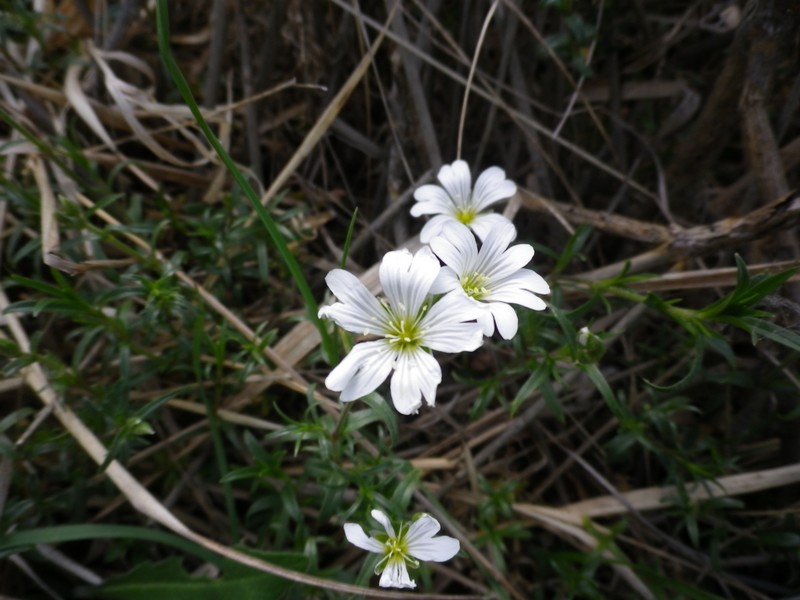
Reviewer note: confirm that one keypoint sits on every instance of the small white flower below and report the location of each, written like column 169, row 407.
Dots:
column 414, row 542
column 491, row 277
column 457, row 201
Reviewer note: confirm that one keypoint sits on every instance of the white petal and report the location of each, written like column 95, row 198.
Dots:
column 416, row 375
column 395, row 574
column 455, row 337
column 431, row 200
column 530, row 280
column 446, row 281
column 423, row 546
column 505, row 318
column 514, row 259
column 359, row 310
column 455, row 307
column 498, row 238
column 446, row 327
column 423, row 528
column 362, row 370
column 492, row 186
column 432, row 376
column 356, row 536
column 518, row 296
column 457, row 181
column 407, row 279
column 437, row 549
column 456, row 247
column 381, row 518
column 434, row 227
column 493, row 248
column 483, row 224
column 393, row 273
column 353, row 318
column 486, row 322
column 506, row 264
column 525, row 279
column 421, row 275
column 348, row 288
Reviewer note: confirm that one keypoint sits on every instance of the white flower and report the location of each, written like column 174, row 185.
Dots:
column 491, row 277
column 408, row 324
column 415, row 542
column 456, row 200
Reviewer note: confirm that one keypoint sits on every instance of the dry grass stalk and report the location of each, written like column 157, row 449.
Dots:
column 656, row 498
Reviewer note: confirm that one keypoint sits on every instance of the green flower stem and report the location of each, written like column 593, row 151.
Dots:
column 626, row 294
column 681, row 315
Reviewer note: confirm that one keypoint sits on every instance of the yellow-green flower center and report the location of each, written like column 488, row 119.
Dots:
column 395, row 549
column 404, row 332
column 465, row 215
column 474, row 285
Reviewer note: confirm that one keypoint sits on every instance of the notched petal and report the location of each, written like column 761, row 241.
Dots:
column 422, row 544
column 416, row 375
column 445, row 282
column 434, row 227
column 356, row 536
column 492, row 186
column 396, row 575
column 422, row 528
column 505, row 318
column 482, row 224
column 361, row 371
column 431, row 200
column 381, row 518
column 438, row 549
column 457, row 181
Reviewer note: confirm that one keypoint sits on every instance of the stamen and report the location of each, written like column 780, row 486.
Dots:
column 474, row 285
column 404, row 333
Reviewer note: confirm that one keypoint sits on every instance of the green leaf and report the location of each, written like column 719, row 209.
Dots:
column 538, row 380
column 168, row 579
column 20, row 540
column 14, row 417
column 570, row 335
column 379, row 410
column 697, row 361
column 776, row 333
column 748, row 292
column 572, row 248
column 602, row 386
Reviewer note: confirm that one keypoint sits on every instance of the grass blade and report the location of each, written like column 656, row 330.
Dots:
column 162, row 16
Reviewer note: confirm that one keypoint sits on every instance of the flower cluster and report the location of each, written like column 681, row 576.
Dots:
column 444, row 298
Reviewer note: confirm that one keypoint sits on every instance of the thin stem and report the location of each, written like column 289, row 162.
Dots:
column 472, row 74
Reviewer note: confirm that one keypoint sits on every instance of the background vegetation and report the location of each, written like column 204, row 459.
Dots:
column 164, row 429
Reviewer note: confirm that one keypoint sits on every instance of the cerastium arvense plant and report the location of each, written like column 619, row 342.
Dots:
column 207, row 393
